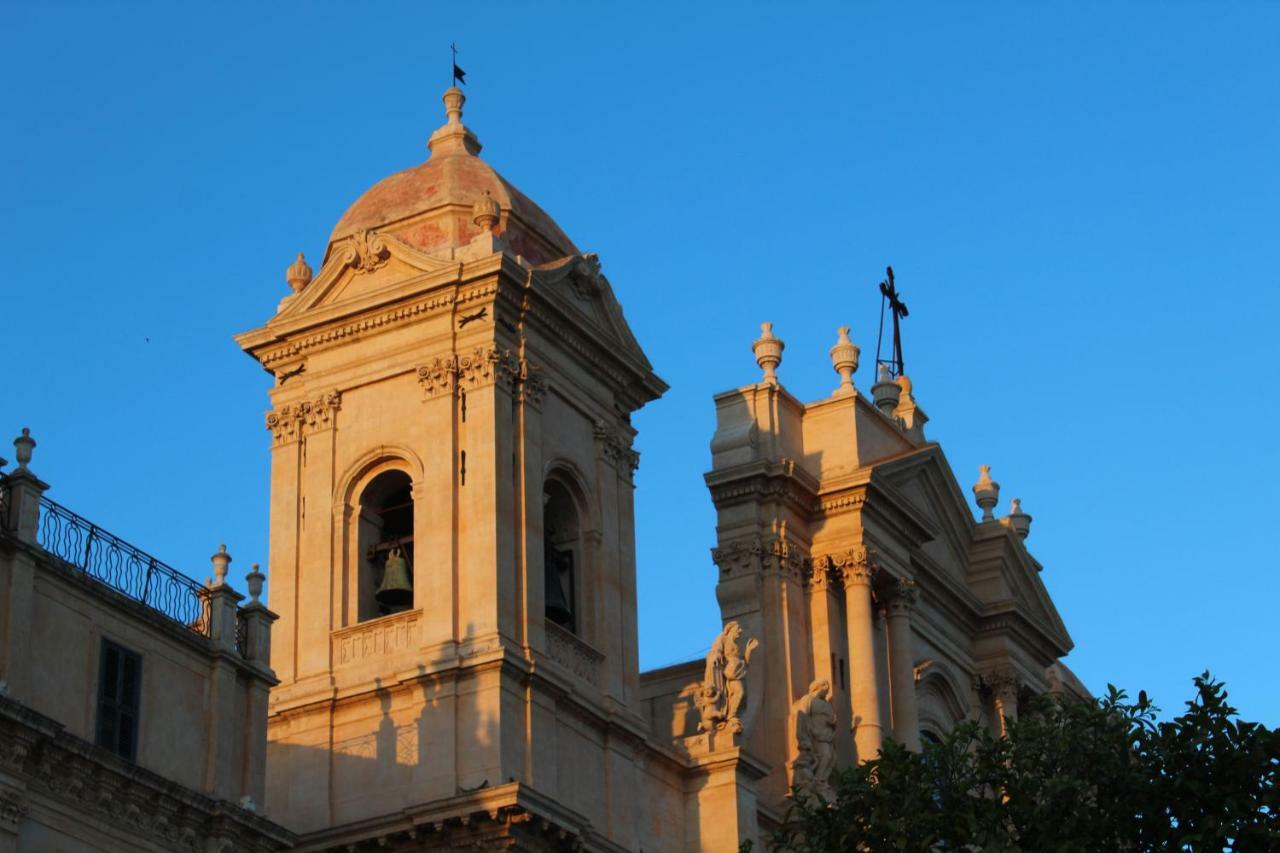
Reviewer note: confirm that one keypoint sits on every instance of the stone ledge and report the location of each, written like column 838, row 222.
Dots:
column 38, row 753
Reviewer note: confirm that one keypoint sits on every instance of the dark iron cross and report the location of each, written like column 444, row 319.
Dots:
column 889, row 296
column 459, row 76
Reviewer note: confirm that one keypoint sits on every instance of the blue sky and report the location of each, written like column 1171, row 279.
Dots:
column 1080, row 201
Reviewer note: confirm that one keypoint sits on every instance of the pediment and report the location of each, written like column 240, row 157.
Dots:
column 1021, row 577
column 359, row 266
column 925, row 480
column 986, row 557
column 576, row 285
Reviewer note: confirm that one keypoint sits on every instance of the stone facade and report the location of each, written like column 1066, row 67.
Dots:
column 176, row 760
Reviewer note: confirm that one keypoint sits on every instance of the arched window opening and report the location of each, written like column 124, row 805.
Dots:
column 562, row 541
column 385, row 545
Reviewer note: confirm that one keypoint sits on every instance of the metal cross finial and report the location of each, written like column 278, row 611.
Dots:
column 889, row 296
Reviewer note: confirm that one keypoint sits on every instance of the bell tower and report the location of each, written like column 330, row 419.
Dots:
column 452, row 531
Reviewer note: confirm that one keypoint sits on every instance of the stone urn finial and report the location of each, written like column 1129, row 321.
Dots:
column 1019, row 521
column 220, row 562
column 844, row 358
column 986, row 492
column 886, row 392
column 453, row 101
column 768, row 350
column 485, row 212
column 255, row 579
column 24, row 444
column 298, row 274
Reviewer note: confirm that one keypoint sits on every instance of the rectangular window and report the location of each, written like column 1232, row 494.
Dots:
column 119, row 689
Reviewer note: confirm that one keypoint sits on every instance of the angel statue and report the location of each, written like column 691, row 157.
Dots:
column 724, row 686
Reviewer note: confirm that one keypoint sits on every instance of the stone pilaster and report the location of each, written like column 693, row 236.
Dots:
column 902, row 597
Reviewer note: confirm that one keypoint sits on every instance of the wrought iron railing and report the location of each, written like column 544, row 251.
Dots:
column 242, row 635
column 121, row 566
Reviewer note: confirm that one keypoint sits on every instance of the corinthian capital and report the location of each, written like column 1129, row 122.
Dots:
column 902, row 595
column 855, row 566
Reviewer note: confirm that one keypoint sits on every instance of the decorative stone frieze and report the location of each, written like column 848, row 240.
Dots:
column 439, row 376
column 789, row 559
column 480, row 367
column 377, row 639
column 843, row 503
column 290, row 422
column 435, row 304
column 738, row 557
column 487, row 365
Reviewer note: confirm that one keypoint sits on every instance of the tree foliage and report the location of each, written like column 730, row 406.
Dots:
column 1071, row 775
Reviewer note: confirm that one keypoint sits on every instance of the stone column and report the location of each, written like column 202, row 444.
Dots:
column 1004, row 689
column 902, row 678
column 867, row 730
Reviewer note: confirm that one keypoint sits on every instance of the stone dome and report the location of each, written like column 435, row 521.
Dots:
column 431, row 206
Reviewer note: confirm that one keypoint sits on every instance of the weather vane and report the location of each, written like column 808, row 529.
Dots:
column 889, row 296
column 459, row 76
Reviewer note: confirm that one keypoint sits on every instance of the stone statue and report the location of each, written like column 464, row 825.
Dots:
column 815, row 721
column 724, row 683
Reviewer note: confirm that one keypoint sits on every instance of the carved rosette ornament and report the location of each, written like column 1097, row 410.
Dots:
column 486, row 366
column 290, row 422
column 481, row 367
column 439, row 376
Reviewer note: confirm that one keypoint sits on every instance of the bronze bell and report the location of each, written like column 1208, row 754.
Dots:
column 557, row 603
column 395, row 589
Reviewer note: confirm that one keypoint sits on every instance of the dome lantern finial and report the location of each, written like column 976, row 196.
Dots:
column 453, row 137
column 453, row 101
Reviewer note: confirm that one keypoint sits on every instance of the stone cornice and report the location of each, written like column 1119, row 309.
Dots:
column 762, row 481
column 104, row 787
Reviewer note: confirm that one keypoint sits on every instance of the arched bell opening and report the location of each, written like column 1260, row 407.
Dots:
column 385, row 545
column 562, row 556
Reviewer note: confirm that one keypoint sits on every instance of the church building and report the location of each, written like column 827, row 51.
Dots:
column 453, row 554
column 450, row 658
